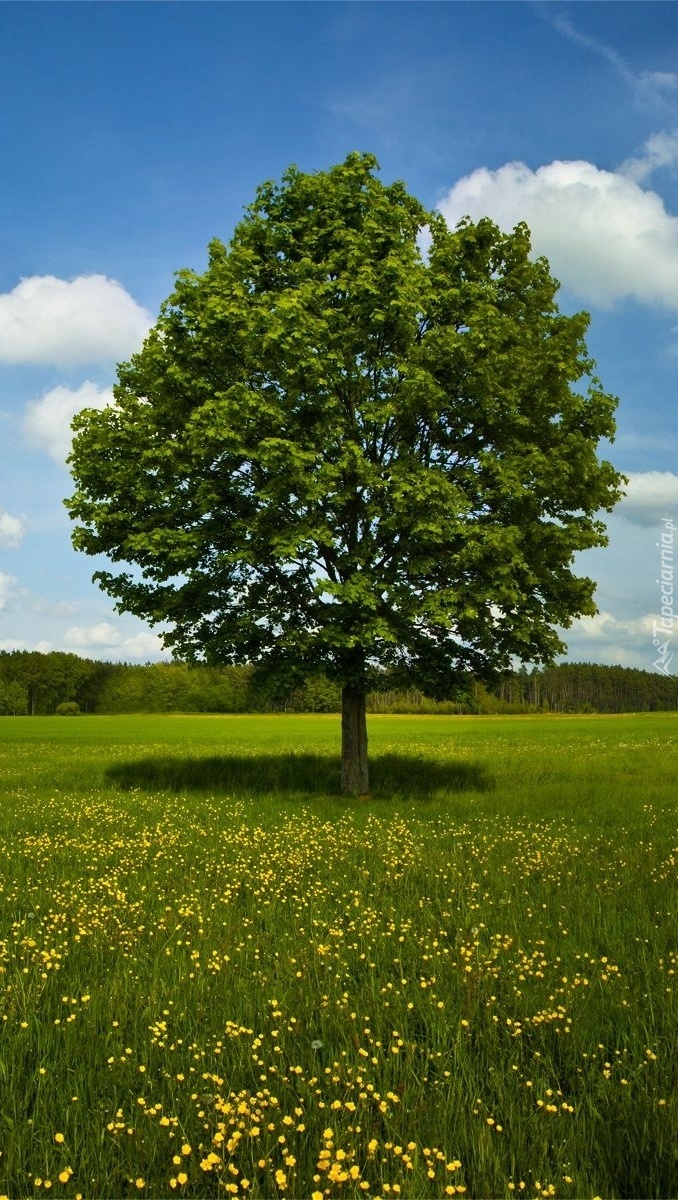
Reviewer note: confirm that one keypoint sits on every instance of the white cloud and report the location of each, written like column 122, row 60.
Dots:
column 86, row 636
column 104, row 640
column 7, row 583
column 650, row 497
column 19, row 644
column 660, row 150
column 605, row 237
column 609, row 639
column 84, row 320
column 665, row 81
column 608, row 628
column 11, row 530
column 48, row 420
column 144, row 646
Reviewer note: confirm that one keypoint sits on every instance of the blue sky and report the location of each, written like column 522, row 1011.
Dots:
column 133, row 133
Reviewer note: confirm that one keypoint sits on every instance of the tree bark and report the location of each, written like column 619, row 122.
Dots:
column 354, row 771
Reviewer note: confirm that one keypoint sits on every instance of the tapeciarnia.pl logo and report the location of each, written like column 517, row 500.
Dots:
column 662, row 630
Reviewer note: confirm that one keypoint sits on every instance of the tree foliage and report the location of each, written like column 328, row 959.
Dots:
column 337, row 453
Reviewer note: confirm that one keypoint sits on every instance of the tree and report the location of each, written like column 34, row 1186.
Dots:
column 338, row 452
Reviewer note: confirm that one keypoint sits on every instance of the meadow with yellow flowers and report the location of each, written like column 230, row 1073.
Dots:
column 218, row 977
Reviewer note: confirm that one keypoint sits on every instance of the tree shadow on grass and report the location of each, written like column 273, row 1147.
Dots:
column 391, row 775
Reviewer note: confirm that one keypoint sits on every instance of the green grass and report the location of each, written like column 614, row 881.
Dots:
column 219, row 977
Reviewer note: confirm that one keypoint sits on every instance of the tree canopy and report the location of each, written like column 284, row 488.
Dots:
column 337, row 451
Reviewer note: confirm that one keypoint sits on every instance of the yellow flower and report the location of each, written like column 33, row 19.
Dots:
column 59, row 1138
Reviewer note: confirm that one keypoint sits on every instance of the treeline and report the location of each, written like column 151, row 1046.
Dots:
column 34, row 684
column 589, row 687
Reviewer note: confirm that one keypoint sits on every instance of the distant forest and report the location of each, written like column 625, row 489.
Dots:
column 35, row 684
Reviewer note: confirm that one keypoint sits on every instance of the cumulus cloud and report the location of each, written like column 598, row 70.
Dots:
column 7, row 583
column 614, row 640
column 84, row 320
column 11, row 530
column 104, row 639
column 608, row 628
column 86, row 636
column 650, row 497
column 48, row 420
column 20, row 644
column 606, row 237
column 143, row 646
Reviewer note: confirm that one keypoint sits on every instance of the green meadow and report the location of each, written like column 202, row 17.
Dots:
column 219, row 977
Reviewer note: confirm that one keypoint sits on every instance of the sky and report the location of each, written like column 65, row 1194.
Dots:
column 133, row 133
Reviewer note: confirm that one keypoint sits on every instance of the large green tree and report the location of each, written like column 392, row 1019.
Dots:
column 337, row 451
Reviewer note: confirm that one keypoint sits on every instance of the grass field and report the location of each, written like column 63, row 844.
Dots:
column 218, row 977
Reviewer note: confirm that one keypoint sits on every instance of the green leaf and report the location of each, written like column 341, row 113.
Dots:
column 332, row 454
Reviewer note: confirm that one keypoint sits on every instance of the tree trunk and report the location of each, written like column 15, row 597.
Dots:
column 354, row 774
